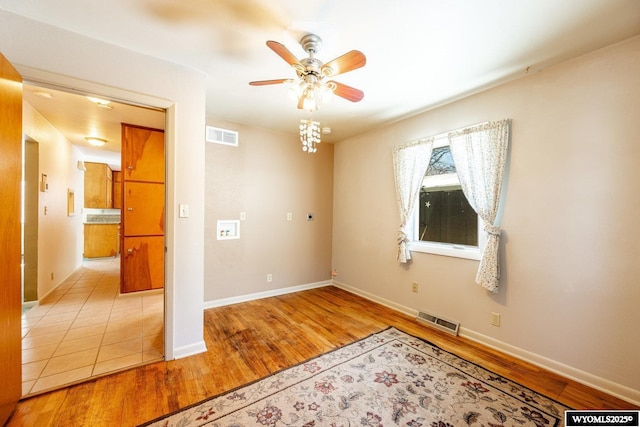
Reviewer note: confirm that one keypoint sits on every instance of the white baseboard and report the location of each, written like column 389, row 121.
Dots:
column 56, row 286
column 266, row 294
column 189, row 350
column 599, row 383
column 379, row 300
column 618, row 390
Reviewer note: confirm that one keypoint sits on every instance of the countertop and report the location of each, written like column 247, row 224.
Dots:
column 102, row 219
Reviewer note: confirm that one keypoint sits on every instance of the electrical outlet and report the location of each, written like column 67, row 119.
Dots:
column 414, row 287
column 289, row 216
column 495, row 319
column 269, row 278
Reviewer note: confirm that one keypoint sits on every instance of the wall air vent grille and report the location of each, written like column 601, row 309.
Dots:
column 438, row 322
column 221, row 136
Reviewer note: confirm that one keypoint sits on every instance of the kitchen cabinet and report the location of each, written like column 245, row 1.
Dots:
column 143, row 209
column 101, row 240
column 117, row 189
column 98, row 186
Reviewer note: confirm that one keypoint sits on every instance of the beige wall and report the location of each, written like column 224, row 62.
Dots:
column 266, row 176
column 60, row 237
column 570, row 270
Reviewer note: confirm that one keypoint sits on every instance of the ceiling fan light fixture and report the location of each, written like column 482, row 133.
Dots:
column 311, row 90
column 326, row 91
column 95, row 141
column 309, row 99
column 294, row 93
column 297, row 90
column 314, row 95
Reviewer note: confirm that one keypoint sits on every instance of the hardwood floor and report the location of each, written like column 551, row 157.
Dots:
column 248, row 341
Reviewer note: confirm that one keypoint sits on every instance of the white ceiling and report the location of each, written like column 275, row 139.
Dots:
column 76, row 117
column 420, row 53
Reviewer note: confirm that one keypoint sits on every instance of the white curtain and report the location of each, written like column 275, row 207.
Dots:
column 410, row 163
column 480, row 154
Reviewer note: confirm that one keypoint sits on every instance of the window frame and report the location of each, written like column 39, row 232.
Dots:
column 438, row 248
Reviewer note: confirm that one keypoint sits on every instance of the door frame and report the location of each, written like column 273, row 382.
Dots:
column 73, row 85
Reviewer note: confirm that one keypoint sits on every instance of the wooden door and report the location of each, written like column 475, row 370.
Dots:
column 143, row 205
column 10, row 292
column 144, row 209
column 142, row 154
column 143, row 263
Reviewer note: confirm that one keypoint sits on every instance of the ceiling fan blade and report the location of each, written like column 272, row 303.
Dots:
column 283, row 52
column 349, row 61
column 347, row 92
column 269, row 82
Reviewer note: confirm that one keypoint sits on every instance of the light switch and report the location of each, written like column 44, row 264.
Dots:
column 184, row 211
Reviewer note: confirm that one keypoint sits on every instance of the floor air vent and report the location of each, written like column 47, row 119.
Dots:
column 438, row 322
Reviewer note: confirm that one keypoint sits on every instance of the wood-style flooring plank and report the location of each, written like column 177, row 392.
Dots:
column 248, row 341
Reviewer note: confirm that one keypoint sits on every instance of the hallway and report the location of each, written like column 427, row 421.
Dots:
column 84, row 328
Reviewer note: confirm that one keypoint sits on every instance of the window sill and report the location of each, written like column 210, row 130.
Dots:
column 457, row 251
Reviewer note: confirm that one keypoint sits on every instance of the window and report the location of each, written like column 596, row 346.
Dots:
column 444, row 223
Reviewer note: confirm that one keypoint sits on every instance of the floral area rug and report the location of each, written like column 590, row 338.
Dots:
column 387, row 379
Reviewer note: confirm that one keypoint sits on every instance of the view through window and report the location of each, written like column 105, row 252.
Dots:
column 444, row 214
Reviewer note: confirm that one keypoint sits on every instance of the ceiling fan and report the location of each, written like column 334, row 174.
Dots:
column 311, row 88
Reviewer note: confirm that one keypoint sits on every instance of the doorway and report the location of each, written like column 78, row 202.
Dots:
column 81, row 326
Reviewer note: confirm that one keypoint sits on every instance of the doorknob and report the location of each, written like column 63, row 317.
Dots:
column 130, row 209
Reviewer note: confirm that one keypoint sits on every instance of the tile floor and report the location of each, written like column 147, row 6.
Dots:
column 84, row 328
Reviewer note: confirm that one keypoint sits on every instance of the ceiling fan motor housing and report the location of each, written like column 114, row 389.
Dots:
column 311, row 43
column 311, row 65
